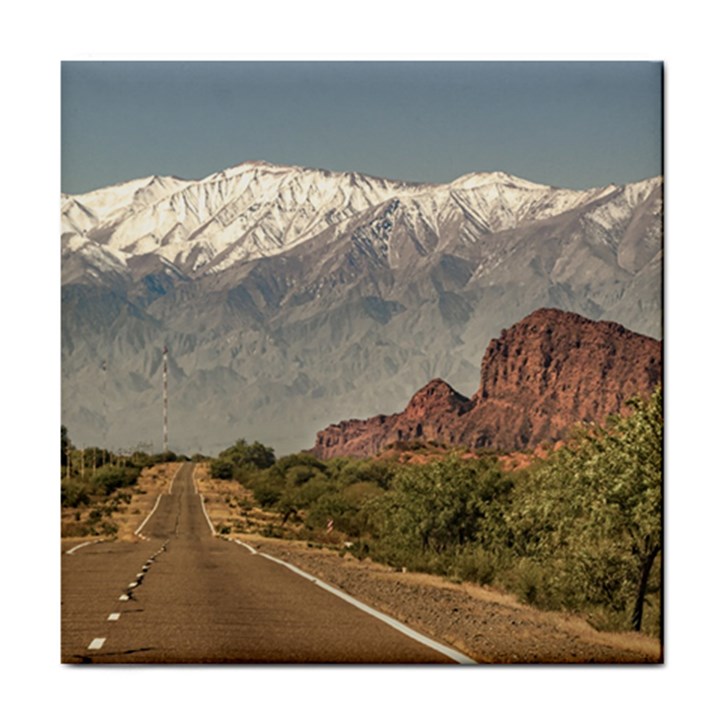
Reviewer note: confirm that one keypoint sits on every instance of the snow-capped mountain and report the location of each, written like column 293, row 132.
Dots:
column 257, row 210
column 290, row 297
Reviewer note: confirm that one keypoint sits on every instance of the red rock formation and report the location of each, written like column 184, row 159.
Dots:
column 431, row 410
column 544, row 374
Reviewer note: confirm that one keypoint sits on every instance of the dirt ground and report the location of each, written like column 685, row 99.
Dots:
column 152, row 482
column 487, row 625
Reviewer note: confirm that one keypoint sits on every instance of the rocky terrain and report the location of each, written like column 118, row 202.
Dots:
column 546, row 373
column 291, row 297
column 487, row 625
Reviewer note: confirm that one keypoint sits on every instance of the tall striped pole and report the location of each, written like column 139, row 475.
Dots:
column 165, row 401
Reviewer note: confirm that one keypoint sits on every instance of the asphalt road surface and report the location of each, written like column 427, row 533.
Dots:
column 183, row 595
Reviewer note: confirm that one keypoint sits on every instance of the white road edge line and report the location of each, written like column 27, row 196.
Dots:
column 81, row 545
column 172, row 482
column 202, row 502
column 247, row 547
column 396, row 624
column 157, row 502
column 142, row 524
column 207, row 517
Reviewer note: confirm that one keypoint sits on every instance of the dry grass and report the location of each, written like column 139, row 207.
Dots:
column 489, row 625
column 127, row 517
column 231, row 506
column 152, row 482
column 515, row 629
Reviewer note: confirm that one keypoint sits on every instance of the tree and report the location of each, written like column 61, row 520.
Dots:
column 242, row 453
column 221, row 469
column 64, row 446
column 443, row 505
column 108, row 478
column 594, row 508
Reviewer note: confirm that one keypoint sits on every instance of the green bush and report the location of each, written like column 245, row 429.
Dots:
column 473, row 564
column 243, row 453
column 107, row 478
column 299, row 459
column 377, row 472
column 108, row 528
column 267, row 490
column 221, row 469
column 160, row 458
column 592, row 514
column 442, row 505
column 73, row 494
column 580, row 530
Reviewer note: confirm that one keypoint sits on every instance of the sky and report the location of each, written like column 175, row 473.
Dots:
column 568, row 124
column 678, row 34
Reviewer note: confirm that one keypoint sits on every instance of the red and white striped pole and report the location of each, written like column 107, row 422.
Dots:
column 165, row 401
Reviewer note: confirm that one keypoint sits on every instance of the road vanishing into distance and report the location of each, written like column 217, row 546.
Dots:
column 185, row 595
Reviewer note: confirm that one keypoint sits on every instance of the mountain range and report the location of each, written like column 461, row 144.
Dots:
column 289, row 297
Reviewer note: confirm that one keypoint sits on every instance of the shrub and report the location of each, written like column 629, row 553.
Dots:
column 367, row 471
column 473, row 564
column 164, row 457
column 267, row 490
column 533, row 582
column 109, row 478
column 221, row 469
column 242, row 453
column 73, row 494
column 443, row 505
column 301, row 459
column 591, row 514
column 108, row 528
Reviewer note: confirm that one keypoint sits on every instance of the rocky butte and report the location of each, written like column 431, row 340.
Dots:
column 546, row 373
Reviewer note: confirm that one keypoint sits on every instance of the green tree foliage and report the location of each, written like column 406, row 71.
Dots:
column 376, row 472
column 241, row 457
column 222, row 469
column 294, row 483
column 441, row 507
column 580, row 530
column 164, row 457
column 593, row 512
column 64, row 446
column 73, row 494
column 109, row 478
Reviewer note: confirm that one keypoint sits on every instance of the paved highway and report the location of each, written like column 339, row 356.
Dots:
column 183, row 595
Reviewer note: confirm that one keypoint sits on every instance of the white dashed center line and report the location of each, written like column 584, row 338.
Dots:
column 114, row 616
column 96, row 644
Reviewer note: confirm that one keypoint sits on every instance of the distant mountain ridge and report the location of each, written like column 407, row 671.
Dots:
column 545, row 374
column 289, row 297
column 257, row 210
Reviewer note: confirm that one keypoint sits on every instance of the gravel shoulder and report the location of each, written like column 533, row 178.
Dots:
column 127, row 517
column 487, row 625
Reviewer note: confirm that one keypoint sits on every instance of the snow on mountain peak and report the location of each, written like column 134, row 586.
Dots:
column 258, row 209
column 498, row 177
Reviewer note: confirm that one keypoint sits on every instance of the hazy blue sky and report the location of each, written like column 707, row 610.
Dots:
column 568, row 124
